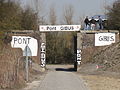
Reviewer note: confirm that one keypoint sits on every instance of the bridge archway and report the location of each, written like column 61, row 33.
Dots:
column 78, row 41
column 68, row 28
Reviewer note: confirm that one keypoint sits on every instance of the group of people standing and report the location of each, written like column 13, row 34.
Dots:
column 92, row 24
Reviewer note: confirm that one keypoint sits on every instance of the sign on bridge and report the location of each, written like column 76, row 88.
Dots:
column 23, row 41
column 102, row 39
column 47, row 28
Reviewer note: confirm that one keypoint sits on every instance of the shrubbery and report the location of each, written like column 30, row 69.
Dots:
column 114, row 16
column 13, row 17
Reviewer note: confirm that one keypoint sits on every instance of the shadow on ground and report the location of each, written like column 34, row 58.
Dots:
column 66, row 70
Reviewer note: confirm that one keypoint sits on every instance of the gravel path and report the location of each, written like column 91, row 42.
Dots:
column 61, row 79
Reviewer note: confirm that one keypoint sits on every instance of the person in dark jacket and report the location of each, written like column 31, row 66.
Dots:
column 100, row 22
column 86, row 21
column 93, row 23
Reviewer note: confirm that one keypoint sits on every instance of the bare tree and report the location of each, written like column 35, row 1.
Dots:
column 68, row 14
column 39, row 8
column 38, row 5
column 114, row 16
column 52, row 16
column 81, row 20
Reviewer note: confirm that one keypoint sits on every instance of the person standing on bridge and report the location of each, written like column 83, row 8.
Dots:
column 100, row 22
column 86, row 21
column 93, row 23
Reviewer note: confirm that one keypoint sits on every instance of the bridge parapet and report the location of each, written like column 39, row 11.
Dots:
column 99, row 31
column 82, row 31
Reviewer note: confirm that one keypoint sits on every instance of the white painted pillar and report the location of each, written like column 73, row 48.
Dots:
column 43, row 51
column 79, row 48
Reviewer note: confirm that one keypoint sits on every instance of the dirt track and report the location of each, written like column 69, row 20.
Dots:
column 59, row 77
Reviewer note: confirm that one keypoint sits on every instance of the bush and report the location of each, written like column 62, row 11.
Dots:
column 114, row 16
column 13, row 17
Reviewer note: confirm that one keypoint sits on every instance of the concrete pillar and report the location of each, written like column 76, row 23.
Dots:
column 79, row 49
column 43, row 51
column 79, row 40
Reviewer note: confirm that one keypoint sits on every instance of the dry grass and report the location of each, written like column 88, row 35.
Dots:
column 89, row 52
column 9, row 67
column 96, row 82
column 107, row 77
column 106, row 56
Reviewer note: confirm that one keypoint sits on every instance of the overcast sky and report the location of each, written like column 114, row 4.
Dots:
column 81, row 7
